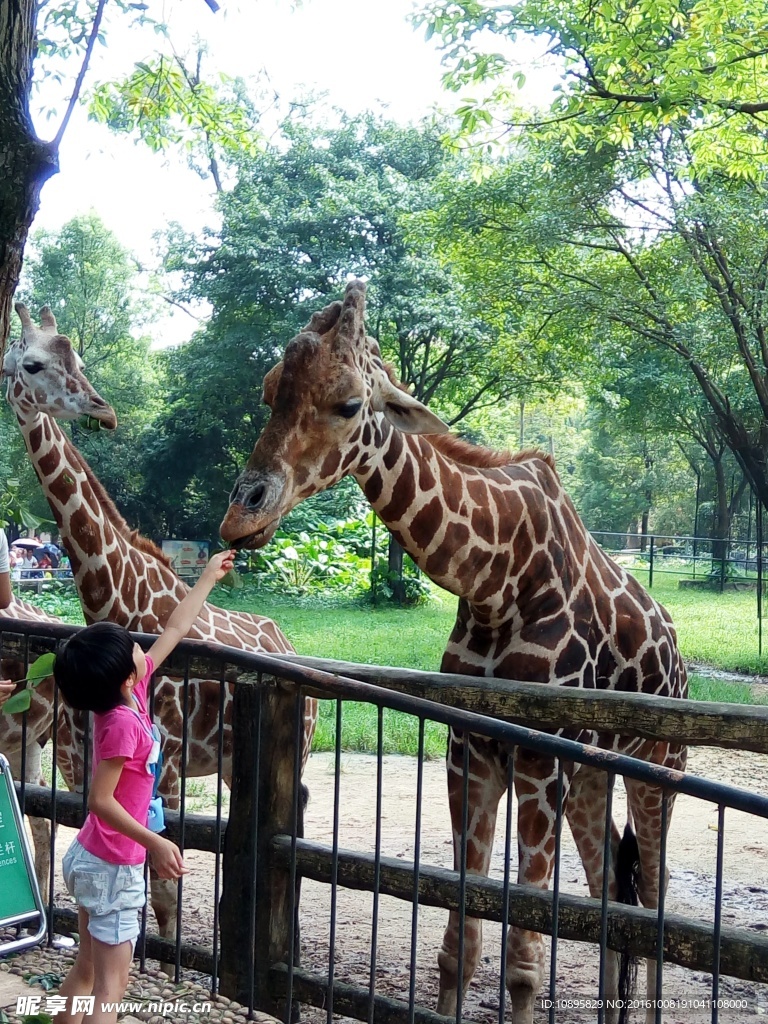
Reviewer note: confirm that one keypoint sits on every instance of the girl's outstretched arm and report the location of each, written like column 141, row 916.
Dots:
column 180, row 622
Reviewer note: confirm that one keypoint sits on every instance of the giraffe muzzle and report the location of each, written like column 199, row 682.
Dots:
column 233, row 526
column 254, row 512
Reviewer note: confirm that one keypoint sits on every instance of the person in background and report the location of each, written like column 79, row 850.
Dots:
column 15, row 558
column 6, row 594
column 29, row 563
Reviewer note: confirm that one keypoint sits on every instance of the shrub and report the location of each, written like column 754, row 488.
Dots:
column 330, row 560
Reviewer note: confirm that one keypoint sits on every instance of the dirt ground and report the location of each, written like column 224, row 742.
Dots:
column 691, row 859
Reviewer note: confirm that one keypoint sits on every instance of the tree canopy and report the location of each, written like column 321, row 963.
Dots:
column 627, row 69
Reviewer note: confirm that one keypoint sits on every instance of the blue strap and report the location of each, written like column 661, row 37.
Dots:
column 157, row 771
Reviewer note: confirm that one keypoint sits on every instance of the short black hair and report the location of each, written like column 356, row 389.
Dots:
column 92, row 665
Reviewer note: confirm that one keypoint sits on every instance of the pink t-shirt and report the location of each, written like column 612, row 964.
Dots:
column 122, row 732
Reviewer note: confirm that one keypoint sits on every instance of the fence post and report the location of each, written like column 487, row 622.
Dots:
column 255, row 930
column 722, row 567
column 650, row 567
column 759, row 539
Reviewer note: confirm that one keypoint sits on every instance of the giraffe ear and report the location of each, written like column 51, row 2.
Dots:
column 407, row 413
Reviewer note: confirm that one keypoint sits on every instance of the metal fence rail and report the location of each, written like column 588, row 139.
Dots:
column 261, row 854
column 717, row 563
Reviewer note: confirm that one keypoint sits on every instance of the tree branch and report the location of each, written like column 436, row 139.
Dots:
column 81, row 74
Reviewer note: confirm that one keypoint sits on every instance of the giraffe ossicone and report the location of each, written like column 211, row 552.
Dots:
column 121, row 576
column 538, row 601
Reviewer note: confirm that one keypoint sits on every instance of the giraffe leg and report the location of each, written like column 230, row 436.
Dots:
column 645, row 803
column 535, row 786
column 164, row 892
column 164, row 896
column 39, row 827
column 487, row 783
column 585, row 812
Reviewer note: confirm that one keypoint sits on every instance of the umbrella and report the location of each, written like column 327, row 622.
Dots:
column 26, row 542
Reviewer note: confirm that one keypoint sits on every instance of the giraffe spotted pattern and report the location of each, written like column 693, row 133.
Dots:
column 538, row 601
column 121, row 576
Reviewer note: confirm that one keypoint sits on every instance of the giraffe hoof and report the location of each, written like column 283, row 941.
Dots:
column 522, row 999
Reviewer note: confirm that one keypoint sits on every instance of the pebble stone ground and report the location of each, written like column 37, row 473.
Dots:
column 150, row 987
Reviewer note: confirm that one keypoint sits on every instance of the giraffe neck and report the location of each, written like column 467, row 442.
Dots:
column 472, row 530
column 115, row 580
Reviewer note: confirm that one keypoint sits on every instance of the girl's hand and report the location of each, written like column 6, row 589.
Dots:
column 167, row 860
column 7, row 686
column 220, row 564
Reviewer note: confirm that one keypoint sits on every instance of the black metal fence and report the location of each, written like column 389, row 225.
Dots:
column 263, row 948
column 719, row 564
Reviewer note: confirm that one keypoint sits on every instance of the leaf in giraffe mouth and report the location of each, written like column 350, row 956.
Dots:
column 90, row 423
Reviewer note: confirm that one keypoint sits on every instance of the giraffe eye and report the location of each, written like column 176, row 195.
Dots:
column 349, row 409
column 32, row 367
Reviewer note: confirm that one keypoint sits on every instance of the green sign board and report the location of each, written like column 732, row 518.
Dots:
column 19, row 893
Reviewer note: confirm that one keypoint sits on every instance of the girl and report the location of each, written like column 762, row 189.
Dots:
column 101, row 669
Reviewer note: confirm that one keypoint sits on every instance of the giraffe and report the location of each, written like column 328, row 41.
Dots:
column 39, row 719
column 120, row 575
column 538, row 601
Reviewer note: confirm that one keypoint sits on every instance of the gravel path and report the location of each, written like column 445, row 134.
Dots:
column 692, row 854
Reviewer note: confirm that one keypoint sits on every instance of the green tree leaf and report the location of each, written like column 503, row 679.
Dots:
column 41, row 668
column 18, row 703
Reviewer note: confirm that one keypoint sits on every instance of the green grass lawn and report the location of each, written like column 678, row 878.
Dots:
column 714, row 629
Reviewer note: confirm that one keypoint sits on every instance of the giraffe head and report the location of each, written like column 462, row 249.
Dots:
column 330, row 397
column 45, row 374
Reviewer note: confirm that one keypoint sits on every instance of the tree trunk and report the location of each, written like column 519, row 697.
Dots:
column 644, row 531
column 26, row 162
column 395, row 567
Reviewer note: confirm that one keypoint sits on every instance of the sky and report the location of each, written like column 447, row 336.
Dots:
column 364, row 55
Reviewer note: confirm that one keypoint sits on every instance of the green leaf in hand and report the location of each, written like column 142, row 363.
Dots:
column 18, row 703
column 232, row 579
column 41, row 668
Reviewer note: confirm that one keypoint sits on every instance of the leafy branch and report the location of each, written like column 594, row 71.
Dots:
column 39, row 670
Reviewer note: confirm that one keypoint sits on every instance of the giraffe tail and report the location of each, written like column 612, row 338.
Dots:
column 627, row 874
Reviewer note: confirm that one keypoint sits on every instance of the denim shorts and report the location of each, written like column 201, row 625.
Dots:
column 111, row 894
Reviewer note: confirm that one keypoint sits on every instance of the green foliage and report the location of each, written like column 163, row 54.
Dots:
column 59, row 599
column 48, row 981
column 327, row 561
column 166, row 102
column 319, row 204
column 416, row 586
column 39, row 670
column 90, row 283
column 13, row 508
column 627, row 71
